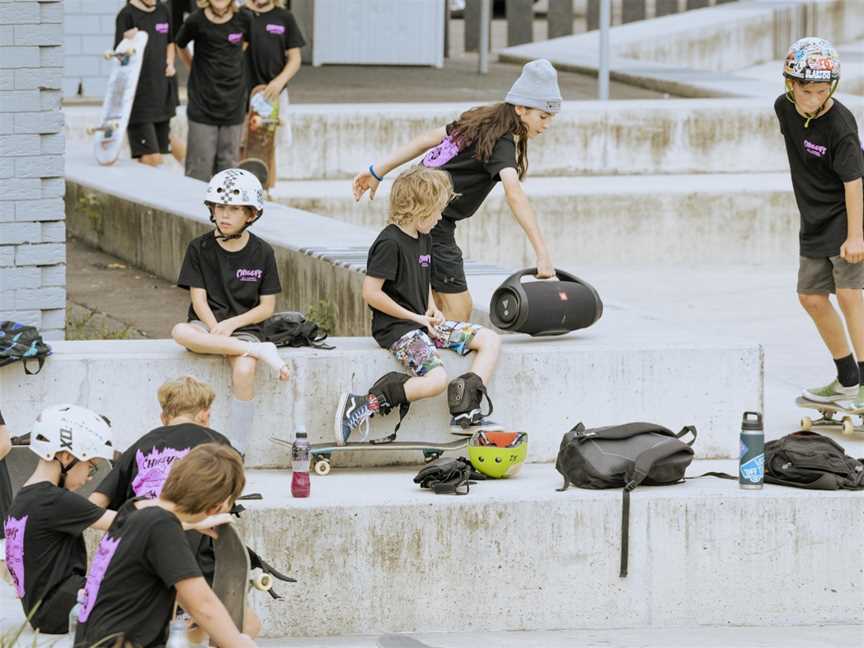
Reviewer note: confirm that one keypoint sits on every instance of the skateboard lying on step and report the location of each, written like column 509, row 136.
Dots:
column 119, row 97
column 258, row 151
column 322, row 452
column 839, row 416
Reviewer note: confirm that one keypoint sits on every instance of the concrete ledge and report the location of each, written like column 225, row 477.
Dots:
column 608, row 219
column 626, row 367
column 374, row 554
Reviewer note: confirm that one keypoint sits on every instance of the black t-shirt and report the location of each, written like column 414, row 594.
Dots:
column 5, row 488
column 178, row 10
column 821, row 158
column 272, row 34
column 234, row 281
column 217, row 82
column 130, row 585
column 156, row 96
column 405, row 264
column 473, row 179
column 45, row 547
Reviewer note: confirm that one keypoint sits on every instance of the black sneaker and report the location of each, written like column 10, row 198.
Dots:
column 351, row 412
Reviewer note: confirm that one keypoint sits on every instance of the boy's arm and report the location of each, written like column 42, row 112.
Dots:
column 99, row 499
column 364, row 180
column 5, row 441
column 374, row 295
column 104, row 522
column 207, row 610
column 185, row 56
column 202, row 308
column 170, row 53
column 517, row 199
column 853, row 248
column 258, row 314
column 277, row 85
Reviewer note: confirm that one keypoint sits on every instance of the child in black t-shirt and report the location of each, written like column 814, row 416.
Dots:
column 156, row 95
column 143, row 563
column 827, row 165
column 45, row 552
column 406, row 319
column 5, row 482
column 483, row 146
column 217, row 87
column 233, row 281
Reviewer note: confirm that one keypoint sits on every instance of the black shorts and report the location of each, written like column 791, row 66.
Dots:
column 448, row 269
column 149, row 138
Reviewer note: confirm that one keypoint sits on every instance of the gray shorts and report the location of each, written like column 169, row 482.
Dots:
column 822, row 275
column 246, row 336
column 211, row 149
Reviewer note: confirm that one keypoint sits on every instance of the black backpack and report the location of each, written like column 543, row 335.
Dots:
column 22, row 342
column 448, row 476
column 810, row 460
column 624, row 456
column 292, row 329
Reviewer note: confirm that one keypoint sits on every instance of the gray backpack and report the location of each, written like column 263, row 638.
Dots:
column 624, row 456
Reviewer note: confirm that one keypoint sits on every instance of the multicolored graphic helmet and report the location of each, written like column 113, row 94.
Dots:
column 235, row 187
column 79, row 431
column 812, row 60
column 498, row 454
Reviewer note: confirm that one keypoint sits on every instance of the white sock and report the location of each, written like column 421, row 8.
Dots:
column 240, row 423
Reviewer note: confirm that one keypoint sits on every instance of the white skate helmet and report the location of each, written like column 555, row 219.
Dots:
column 235, row 187
column 77, row 430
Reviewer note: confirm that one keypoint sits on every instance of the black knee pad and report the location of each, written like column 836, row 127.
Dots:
column 465, row 396
column 389, row 389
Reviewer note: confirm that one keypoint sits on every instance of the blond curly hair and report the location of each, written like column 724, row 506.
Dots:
column 419, row 193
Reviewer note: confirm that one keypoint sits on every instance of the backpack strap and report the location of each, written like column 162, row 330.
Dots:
column 40, row 359
column 618, row 432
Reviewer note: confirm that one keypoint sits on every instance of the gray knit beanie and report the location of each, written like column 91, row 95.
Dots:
column 536, row 87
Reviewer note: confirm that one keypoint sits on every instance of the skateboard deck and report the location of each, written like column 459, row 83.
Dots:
column 828, row 423
column 322, row 452
column 231, row 578
column 122, row 83
column 258, row 152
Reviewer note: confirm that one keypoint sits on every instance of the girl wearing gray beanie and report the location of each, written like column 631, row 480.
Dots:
column 483, row 146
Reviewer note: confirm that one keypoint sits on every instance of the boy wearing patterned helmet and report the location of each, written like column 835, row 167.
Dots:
column 45, row 552
column 233, row 281
column 827, row 165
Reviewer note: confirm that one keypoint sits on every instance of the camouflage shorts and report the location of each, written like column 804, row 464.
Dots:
column 418, row 350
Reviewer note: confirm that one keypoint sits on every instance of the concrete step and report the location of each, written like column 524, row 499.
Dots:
column 665, row 219
column 587, row 138
column 374, row 553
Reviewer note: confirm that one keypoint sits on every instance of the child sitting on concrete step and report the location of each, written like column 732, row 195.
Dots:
column 233, row 281
column 406, row 320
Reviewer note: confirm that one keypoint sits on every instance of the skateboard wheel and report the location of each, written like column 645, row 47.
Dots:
column 263, row 583
column 806, row 423
column 322, row 467
column 848, row 426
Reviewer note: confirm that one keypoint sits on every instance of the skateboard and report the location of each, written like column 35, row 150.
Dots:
column 828, row 422
column 258, row 152
column 233, row 577
column 119, row 97
column 322, row 452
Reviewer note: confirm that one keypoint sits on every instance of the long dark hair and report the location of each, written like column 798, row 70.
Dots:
column 485, row 125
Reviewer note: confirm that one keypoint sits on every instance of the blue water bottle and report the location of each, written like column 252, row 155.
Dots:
column 751, row 468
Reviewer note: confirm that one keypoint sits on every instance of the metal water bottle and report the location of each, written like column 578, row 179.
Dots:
column 751, row 467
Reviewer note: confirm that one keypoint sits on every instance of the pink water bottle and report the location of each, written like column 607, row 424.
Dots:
column 300, row 485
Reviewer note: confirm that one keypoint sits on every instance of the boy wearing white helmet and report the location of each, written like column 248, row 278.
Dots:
column 827, row 165
column 45, row 552
column 233, row 280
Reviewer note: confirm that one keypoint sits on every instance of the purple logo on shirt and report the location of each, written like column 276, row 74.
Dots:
column 153, row 470
column 815, row 149
column 249, row 275
column 162, row 28
column 275, row 29
column 14, row 529
column 235, row 38
column 96, row 573
column 424, row 260
column 441, row 154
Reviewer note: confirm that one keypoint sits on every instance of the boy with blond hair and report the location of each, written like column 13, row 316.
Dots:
column 143, row 564
column 406, row 320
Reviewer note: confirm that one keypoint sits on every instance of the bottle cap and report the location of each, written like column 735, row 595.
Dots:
column 301, row 434
column 751, row 421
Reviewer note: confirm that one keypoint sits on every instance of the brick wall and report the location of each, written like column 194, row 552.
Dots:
column 32, row 225
column 88, row 31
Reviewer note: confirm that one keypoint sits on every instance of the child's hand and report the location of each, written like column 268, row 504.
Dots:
column 436, row 316
column 852, row 250
column 225, row 327
column 170, row 70
column 271, row 92
column 362, row 183
column 129, row 34
column 208, row 524
column 429, row 323
column 545, row 269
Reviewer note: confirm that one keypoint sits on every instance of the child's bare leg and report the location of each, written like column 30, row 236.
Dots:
column 432, row 384
column 456, row 307
column 198, row 341
column 851, row 302
column 487, row 344
column 827, row 321
column 151, row 159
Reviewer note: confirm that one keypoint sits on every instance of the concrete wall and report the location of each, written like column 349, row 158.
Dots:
column 32, row 228
column 88, row 28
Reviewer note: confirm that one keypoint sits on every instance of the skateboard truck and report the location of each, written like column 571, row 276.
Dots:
column 123, row 57
column 107, row 128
